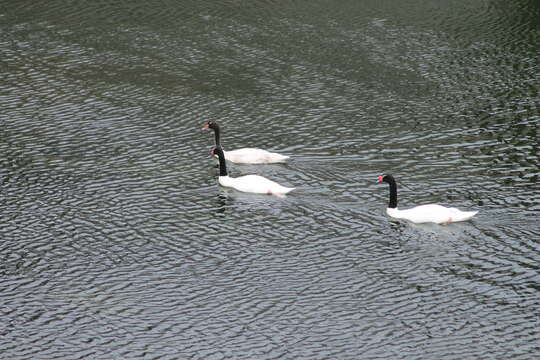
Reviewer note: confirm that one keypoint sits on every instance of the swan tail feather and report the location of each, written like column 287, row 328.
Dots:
column 464, row 215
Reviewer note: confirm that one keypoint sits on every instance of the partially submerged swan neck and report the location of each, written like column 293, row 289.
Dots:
column 218, row 151
column 392, row 204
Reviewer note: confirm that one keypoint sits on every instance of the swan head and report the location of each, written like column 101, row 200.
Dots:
column 211, row 125
column 216, row 151
column 387, row 178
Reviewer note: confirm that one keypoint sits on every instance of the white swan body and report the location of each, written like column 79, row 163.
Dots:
column 245, row 155
column 254, row 184
column 253, row 156
column 248, row 183
column 431, row 213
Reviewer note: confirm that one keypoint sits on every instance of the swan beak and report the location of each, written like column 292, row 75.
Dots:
column 205, row 127
column 379, row 179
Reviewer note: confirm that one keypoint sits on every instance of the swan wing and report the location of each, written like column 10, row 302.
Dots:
column 253, row 156
column 254, row 184
column 431, row 213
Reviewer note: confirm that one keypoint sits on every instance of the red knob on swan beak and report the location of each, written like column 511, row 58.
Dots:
column 205, row 127
column 379, row 180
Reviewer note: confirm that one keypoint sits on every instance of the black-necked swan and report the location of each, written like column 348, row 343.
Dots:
column 248, row 183
column 430, row 213
column 245, row 155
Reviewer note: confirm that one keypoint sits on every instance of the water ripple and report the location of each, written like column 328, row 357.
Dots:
column 118, row 242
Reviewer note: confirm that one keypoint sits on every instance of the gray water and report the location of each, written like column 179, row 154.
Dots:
column 116, row 241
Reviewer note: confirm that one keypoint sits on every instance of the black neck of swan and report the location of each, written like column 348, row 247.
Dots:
column 392, row 204
column 222, row 164
column 215, row 127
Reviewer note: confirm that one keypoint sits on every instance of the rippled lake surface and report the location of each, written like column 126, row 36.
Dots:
column 117, row 243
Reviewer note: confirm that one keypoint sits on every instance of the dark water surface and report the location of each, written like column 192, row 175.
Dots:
column 117, row 242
